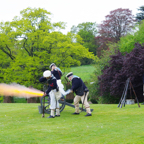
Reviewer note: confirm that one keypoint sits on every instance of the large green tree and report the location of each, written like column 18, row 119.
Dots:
column 87, row 32
column 31, row 42
column 127, row 43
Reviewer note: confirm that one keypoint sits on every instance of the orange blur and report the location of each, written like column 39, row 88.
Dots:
column 19, row 91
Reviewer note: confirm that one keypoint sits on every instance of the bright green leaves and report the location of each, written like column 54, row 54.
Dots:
column 126, row 43
column 32, row 44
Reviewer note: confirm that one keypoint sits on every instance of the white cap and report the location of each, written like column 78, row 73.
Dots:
column 69, row 74
column 47, row 73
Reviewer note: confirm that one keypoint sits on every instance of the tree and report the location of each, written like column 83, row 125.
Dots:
column 140, row 15
column 120, row 68
column 127, row 43
column 87, row 32
column 117, row 24
column 31, row 42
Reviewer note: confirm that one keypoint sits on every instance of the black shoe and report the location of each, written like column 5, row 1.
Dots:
column 88, row 114
column 75, row 113
column 51, row 116
column 57, row 115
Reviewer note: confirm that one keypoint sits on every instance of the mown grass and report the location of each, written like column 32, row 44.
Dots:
column 22, row 124
column 84, row 72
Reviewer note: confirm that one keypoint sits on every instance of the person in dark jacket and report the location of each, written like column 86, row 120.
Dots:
column 56, row 71
column 52, row 91
column 81, row 91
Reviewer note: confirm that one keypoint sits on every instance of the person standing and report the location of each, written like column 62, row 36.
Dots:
column 52, row 91
column 81, row 91
column 56, row 71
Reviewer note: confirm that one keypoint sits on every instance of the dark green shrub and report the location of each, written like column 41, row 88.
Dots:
column 1, row 99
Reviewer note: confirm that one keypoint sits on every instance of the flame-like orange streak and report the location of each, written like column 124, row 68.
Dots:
column 19, row 91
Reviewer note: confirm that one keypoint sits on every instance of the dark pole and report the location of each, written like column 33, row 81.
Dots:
column 43, row 115
column 83, row 101
column 134, row 93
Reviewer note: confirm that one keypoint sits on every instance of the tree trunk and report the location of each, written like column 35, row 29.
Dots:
column 8, row 99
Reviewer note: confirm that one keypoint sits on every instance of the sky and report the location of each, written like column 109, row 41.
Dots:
column 72, row 12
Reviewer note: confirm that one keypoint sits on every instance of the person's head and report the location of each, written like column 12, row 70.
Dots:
column 52, row 66
column 70, row 76
column 47, row 74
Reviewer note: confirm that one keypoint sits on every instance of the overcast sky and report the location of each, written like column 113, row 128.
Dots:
column 72, row 12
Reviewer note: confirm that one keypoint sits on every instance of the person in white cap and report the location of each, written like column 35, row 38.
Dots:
column 56, row 71
column 81, row 91
column 52, row 91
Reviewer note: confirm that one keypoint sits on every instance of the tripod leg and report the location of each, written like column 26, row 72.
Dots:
column 121, row 97
column 135, row 94
column 122, row 94
column 126, row 94
column 124, row 98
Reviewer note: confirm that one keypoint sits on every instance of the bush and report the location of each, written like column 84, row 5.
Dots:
column 120, row 68
column 20, row 100
column 107, row 99
column 1, row 99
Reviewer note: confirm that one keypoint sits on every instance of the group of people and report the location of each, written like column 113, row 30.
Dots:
column 56, row 90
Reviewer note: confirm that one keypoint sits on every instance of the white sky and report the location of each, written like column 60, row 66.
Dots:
column 73, row 12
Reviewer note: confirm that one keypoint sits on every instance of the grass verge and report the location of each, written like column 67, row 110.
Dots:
column 21, row 123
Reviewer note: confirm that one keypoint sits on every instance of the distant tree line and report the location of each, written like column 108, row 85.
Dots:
column 121, row 59
column 29, row 43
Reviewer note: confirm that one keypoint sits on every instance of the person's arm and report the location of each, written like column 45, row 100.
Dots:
column 53, row 72
column 48, row 90
column 42, row 79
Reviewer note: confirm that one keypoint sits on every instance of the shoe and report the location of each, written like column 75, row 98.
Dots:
column 57, row 115
column 88, row 114
column 75, row 113
column 51, row 116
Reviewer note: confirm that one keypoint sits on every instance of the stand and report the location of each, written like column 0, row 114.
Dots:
column 124, row 94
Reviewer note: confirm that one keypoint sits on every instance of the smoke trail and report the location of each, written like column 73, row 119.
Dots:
column 19, row 91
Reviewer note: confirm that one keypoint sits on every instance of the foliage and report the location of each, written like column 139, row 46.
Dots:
column 1, row 99
column 107, row 99
column 126, row 44
column 100, row 64
column 120, row 68
column 20, row 100
column 21, row 123
column 117, row 24
column 31, row 43
column 87, row 31
column 140, row 15
column 4, row 63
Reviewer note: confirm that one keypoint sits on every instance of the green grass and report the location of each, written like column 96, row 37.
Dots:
column 83, row 72
column 22, row 124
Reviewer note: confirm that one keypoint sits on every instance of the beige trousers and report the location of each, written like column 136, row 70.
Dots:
column 86, row 104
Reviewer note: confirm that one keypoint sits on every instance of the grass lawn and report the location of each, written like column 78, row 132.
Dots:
column 83, row 72
column 22, row 124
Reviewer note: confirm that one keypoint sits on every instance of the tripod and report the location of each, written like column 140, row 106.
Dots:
column 124, row 94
